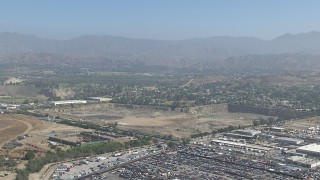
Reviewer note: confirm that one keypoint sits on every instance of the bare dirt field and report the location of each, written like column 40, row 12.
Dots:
column 303, row 124
column 6, row 124
column 13, row 125
column 220, row 120
column 10, row 176
column 153, row 121
column 156, row 121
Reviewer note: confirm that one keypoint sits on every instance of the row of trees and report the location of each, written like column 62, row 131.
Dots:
column 36, row 164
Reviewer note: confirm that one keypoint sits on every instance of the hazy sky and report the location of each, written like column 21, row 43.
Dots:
column 159, row 19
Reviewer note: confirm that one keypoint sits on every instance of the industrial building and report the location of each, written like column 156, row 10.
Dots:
column 240, row 145
column 277, row 129
column 311, row 150
column 302, row 161
column 100, row 99
column 65, row 140
column 246, row 134
column 55, row 103
column 9, row 106
column 293, row 152
column 91, row 136
column 288, row 141
column 266, row 136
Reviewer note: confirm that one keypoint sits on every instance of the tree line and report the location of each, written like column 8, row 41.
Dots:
column 36, row 164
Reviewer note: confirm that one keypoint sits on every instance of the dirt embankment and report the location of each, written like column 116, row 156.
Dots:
column 63, row 93
column 209, row 109
column 103, row 106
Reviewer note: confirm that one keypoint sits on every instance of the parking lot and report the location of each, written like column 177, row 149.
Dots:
column 199, row 163
column 86, row 166
column 208, row 158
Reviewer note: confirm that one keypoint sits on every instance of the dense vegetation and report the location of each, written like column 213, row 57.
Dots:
column 35, row 165
column 6, row 163
column 137, row 83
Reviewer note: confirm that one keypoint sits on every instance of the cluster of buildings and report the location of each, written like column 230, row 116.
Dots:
column 303, row 161
column 311, row 150
column 281, row 144
column 80, row 138
column 4, row 106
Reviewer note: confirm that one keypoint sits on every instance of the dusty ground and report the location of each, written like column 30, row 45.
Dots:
column 9, row 177
column 19, row 125
column 13, row 125
column 190, row 124
column 156, row 121
column 38, row 140
column 153, row 121
column 303, row 124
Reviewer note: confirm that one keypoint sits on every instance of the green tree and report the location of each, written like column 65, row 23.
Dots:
column 22, row 174
column 271, row 120
column 171, row 144
column 255, row 122
column 29, row 155
column 185, row 141
column 26, row 101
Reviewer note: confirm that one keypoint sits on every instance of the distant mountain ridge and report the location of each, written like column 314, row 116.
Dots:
column 190, row 51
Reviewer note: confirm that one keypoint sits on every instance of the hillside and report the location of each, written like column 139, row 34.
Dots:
column 219, row 51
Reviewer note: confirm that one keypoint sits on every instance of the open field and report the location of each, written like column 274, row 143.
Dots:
column 303, row 124
column 154, row 121
column 14, row 125
column 18, row 94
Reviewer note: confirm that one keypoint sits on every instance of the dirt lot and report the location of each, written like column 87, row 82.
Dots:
column 156, row 121
column 303, row 124
column 13, row 125
column 153, row 121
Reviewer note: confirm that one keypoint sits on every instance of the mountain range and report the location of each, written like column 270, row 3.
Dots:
column 163, row 52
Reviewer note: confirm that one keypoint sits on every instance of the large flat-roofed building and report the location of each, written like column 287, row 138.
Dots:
column 277, row 129
column 235, row 144
column 302, row 161
column 66, row 141
column 246, row 133
column 100, row 99
column 311, row 150
column 67, row 102
column 289, row 141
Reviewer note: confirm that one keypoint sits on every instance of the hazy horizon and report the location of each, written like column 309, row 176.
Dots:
column 160, row 20
column 81, row 35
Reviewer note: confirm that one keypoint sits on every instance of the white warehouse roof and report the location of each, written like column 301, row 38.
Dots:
column 311, row 147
